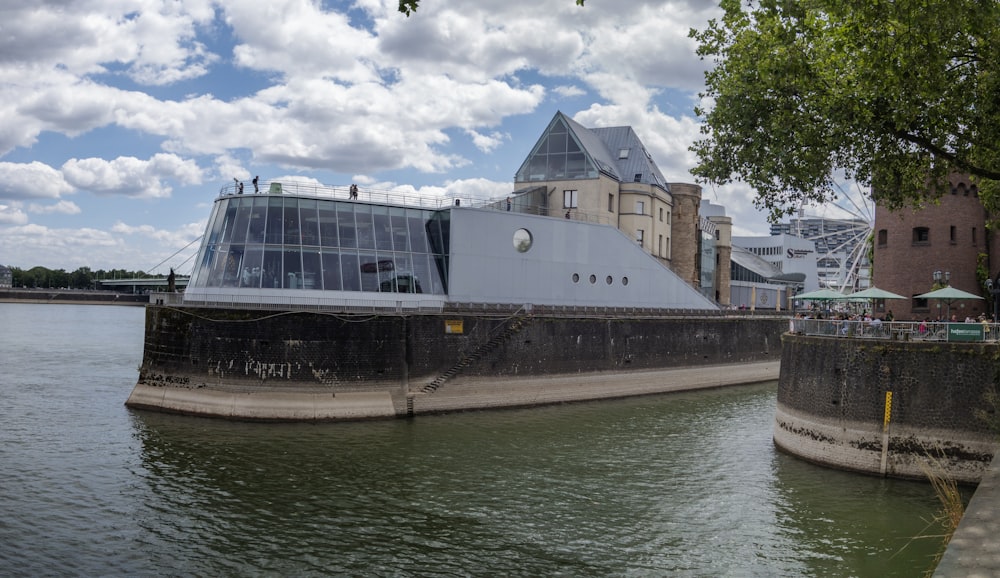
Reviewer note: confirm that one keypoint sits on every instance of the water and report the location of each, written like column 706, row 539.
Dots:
column 685, row 484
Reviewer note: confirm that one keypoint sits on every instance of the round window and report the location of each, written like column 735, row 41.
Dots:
column 522, row 240
column 576, row 277
column 593, row 279
column 609, row 279
column 624, row 280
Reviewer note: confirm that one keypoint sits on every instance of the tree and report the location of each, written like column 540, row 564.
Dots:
column 408, row 7
column 894, row 94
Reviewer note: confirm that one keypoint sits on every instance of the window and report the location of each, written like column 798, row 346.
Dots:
column 570, row 199
column 952, row 235
column 640, row 207
column 975, row 241
column 883, row 237
column 717, row 234
column 659, row 246
column 639, row 236
column 921, row 236
column 623, row 153
column 661, row 214
column 611, row 202
column 638, row 178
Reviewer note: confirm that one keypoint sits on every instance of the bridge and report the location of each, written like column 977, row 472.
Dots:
column 147, row 285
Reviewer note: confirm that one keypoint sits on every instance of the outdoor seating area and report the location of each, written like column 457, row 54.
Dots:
column 896, row 330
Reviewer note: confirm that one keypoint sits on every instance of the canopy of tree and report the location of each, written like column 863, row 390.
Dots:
column 410, row 6
column 893, row 94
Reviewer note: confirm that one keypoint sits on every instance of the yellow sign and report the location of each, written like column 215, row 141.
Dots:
column 888, row 409
column 453, row 326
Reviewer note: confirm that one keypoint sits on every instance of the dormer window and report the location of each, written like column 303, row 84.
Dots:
column 623, row 153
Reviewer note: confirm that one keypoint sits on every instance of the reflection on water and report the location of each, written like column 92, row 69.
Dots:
column 684, row 484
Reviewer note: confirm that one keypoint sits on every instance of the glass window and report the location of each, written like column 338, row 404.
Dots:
column 921, row 235
column 309, row 222
column 345, row 224
column 400, row 236
column 331, row 270
column 312, row 271
column 270, row 275
column 230, row 221
column 242, row 220
column 570, row 199
column 328, row 224
column 273, row 233
column 292, row 223
column 292, row 277
column 382, row 230
column 418, row 233
column 365, row 228
column 250, row 275
column 350, row 269
column 640, row 207
column 369, row 267
column 258, row 215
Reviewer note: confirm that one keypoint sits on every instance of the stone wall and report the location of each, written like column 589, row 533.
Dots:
column 831, row 404
column 251, row 352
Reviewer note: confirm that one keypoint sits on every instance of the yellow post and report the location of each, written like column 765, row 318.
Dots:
column 885, row 431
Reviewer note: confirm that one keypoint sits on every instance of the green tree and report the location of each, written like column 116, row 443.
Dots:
column 410, row 6
column 894, row 93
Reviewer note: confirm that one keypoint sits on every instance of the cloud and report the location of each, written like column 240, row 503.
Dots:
column 129, row 176
column 62, row 207
column 34, row 180
column 10, row 215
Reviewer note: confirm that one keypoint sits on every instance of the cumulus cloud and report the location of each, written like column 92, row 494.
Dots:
column 11, row 215
column 32, row 180
column 129, row 176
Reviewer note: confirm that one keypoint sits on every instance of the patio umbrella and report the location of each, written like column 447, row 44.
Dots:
column 948, row 294
column 874, row 293
column 821, row 295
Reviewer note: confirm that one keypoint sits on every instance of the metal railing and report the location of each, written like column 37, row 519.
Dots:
column 896, row 330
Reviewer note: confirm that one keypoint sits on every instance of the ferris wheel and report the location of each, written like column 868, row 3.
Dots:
column 842, row 230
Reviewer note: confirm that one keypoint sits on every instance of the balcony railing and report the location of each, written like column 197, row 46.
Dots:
column 896, row 330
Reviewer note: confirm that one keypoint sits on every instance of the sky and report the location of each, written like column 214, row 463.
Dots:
column 122, row 119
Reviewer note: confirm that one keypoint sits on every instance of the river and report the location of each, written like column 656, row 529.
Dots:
column 683, row 484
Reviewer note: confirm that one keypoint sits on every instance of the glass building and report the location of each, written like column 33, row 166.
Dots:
column 295, row 242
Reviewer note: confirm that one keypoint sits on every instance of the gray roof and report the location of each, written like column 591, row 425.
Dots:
column 638, row 162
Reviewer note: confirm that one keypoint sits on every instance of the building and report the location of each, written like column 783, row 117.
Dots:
column 788, row 254
column 606, row 175
column 841, row 249
column 6, row 277
column 949, row 237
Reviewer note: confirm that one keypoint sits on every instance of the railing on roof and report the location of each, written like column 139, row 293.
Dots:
column 896, row 330
column 391, row 197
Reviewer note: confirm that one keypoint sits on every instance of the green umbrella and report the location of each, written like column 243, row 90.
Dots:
column 948, row 294
column 874, row 293
column 820, row 295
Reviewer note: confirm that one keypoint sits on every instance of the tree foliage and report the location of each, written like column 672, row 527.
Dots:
column 894, row 94
column 82, row 278
column 408, row 7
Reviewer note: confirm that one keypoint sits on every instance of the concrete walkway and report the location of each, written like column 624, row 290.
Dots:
column 464, row 393
column 974, row 550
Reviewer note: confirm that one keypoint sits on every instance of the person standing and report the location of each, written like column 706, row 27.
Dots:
column 256, row 188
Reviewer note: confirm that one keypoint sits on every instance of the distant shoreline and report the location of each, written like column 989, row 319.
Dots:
column 71, row 297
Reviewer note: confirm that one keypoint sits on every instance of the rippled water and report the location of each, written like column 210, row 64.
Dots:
column 685, row 484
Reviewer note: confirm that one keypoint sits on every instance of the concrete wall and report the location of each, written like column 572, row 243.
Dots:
column 832, row 401
column 306, row 354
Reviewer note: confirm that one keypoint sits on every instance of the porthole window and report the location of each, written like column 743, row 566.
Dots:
column 593, row 279
column 522, row 240
column 624, row 280
column 576, row 277
column 609, row 279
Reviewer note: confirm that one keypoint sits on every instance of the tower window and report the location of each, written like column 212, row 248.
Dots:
column 921, row 236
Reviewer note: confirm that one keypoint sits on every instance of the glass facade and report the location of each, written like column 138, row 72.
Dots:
column 558, row 156
column 286, row 242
